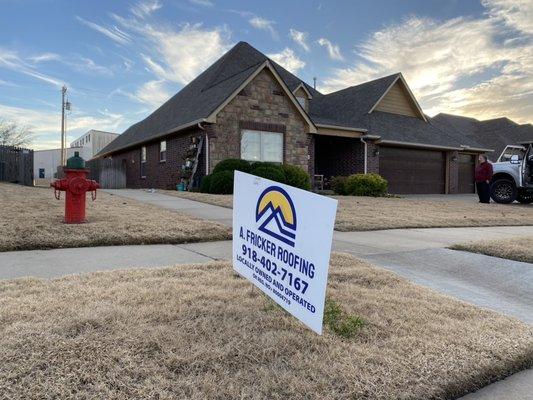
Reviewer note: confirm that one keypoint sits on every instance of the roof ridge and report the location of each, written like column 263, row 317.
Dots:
column 211, row 85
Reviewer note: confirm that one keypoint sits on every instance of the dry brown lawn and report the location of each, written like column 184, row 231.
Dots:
column 31, row 218
column 519, row 248
column 200, row 332
column 371, row 213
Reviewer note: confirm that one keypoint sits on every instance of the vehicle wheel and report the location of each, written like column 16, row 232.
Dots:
column 503, row 191
column 525, row 198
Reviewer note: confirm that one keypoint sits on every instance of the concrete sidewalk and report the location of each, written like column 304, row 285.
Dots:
column 417, row 254
column 197, row 209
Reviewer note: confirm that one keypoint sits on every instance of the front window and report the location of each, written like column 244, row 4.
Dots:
column 262, row 146
column 163, row 151
column 301, row 100
column 143, row 162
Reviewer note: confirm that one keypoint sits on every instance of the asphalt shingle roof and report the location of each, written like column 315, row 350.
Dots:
column 202, row 96
column 349, row 107
column 492, row 134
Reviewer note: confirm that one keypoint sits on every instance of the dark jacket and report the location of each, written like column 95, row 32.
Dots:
column 483, row 172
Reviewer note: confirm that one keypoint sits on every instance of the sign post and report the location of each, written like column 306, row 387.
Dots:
column 282, row 243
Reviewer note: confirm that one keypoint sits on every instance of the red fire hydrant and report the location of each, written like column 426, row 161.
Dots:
column 75, row 184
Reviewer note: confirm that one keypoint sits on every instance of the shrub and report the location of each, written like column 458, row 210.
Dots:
column 339, row 322
column 366, row 185
column 338, row 185
column 297, row 177
column 221, row 182
column 205, row 185
column 270, row 171
column 232, row 164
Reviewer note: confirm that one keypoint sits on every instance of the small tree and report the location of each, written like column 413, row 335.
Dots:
column 12, row 134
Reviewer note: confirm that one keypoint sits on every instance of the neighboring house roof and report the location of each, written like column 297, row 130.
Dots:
column 197, row 100
column 494, row 134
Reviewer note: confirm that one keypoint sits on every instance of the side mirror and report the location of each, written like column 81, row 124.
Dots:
column 514, row 159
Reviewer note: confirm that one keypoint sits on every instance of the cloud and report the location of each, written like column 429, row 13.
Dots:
column 481, row 67
column 76, row 62
column 263, row 24
column 181, row 54
column 112, row 33
column 10, row 60
column 287, row 59
column 145, row 8
column 46, row 125
column 515, row 13
column 300, row 38
column 333, row 50
column 44, row 57
column 205, row 3
column 153, row 93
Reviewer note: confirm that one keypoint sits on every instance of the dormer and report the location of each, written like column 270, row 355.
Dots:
column 303, row 96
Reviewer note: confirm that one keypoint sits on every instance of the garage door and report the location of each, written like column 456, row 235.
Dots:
column 413, row 170
column 467, row 163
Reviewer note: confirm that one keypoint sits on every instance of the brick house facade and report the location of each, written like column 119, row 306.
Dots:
column 377, row 127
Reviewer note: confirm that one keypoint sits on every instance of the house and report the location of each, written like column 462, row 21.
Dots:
column 247, row 106
column 88, row 145
column 497, row 133
column 92, row 142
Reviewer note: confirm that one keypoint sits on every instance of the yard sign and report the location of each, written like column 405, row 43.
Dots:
column 282, row 243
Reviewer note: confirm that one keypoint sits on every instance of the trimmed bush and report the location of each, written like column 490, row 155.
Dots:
column 297, row 177
column 338, row 185
column 270, row 171
column 221, row 182
column 366, row 185
column 232, row 164
column 205, row 185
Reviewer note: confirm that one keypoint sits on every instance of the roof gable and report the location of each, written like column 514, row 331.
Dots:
column 197, row 101
column 398, row 99
column 265, row 65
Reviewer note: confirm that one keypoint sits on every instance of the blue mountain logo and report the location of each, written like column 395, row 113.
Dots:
column 276, row 213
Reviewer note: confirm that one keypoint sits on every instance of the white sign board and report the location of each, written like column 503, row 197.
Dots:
column 282, row 243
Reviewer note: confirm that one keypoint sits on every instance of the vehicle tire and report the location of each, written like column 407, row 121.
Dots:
column 503, row 191
column 525, row 197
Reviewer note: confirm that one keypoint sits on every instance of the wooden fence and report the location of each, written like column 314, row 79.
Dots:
column 16, row 165
column 109, row 173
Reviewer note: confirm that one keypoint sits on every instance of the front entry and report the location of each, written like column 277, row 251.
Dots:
column 467, row 165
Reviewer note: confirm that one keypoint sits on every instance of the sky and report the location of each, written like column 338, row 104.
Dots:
column 121, row 60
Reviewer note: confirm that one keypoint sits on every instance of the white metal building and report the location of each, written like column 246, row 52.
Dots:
column 45, row 162
column 92, row 142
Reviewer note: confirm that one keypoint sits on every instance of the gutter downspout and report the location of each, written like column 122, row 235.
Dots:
column 206, row 148
column 366, row 154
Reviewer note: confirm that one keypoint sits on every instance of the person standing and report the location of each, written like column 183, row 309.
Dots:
column 483, row 176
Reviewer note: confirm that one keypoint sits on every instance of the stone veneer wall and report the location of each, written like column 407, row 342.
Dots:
column 262, row 105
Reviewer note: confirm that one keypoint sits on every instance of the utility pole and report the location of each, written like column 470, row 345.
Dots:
column 63, row 92
column 65, row 106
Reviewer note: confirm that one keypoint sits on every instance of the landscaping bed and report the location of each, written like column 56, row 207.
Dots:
column 519, row 248
column 200, row 332
column 359, row 213
column 31, row 218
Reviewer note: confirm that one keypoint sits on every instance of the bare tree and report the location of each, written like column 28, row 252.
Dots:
column 13, row 134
